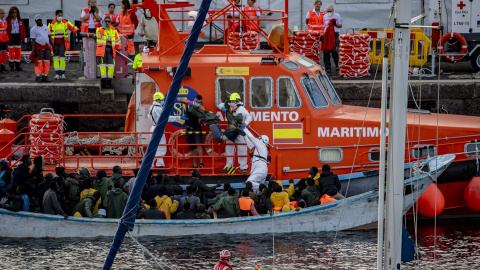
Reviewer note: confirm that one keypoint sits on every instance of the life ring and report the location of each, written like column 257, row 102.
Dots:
column 208, row 140
column 172, row 140
column 355, row 36
column 457, row 37
column 307, row 33
column 353, row 74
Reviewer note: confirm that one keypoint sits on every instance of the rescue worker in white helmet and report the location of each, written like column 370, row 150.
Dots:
column 154, row 115
column 224, row 262
column 259, row 158
column 236, row 107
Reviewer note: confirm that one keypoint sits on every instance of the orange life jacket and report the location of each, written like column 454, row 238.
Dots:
column 84, row 27
column 252, row 13
column 292, row 203
column 3, row 31
column 245, row 206
column 126, row 26
column 316, row 20
column 326, row 199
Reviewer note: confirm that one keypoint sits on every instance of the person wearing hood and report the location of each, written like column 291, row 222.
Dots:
column 148, row 29
column 103, row 184
column 311, row 193
column 201, row 214
column 21, row 174
column 154, row 114
column 279, row 198
column 86, row 205
column 313, row 173
column 117, row 175
column 259, row 158
column 165, row 203
column 115, row 201
column 72, row 189
column 329, row 183
column 228, row 205
column 36, row 175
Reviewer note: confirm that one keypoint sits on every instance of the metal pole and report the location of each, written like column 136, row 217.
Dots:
column 397, row 129
column 381, row 178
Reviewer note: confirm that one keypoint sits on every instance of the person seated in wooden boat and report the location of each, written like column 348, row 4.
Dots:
column 36, row 175
column 12, row 201
column 246, row 204
column 217, row 198
column 313, row 173
column 85, row 207
column 6, row 176
column 224, row 262
column 187, row 212
column 227, row 206
column 152, row 212
column 264, row 205
column 329, row 183
column 103, row 184
column 117, row 175
column 115, row 201
column 203, row 192
column 192, row 200
column 290, row 189
column 252, row 193
column 311, row 193
column 72, row 189
column 50, row 202
column 201, row 214
column 129, row 185
column 155, row 189
column 279, row 199
column 165, row 203
column 21, row 173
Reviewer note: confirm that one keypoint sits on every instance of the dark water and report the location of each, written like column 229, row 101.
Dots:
column 457, row 247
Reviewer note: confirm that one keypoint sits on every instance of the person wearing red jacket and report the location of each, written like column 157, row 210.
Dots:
column 333, row 23
column 16, row 33
column 224, row 262
column 91, row 17
column 128, row 23
column 3, row 41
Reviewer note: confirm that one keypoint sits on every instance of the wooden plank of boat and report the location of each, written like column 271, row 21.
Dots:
column 340, row 215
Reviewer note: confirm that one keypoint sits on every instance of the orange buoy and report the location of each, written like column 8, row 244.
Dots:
column 471, row 195
column 426, row 202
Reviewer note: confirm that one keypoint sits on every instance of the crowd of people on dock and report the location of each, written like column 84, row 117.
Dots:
column 79, row 194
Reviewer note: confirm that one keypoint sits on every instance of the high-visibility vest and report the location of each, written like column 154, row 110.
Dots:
column 60, row 29
column 252, row 13
column 84, row 27
column 3, row 31
column 126, row 26
column 103, row 35
column 245, row 206
column 316, row 20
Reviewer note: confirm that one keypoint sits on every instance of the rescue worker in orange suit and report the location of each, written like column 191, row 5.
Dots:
column 224, row 262
column 331, row 19
column 91, row 17
column 259, row 158
column 61, row 42
column 114, row 16
column 41, row 54
column 16, row 34
column 108, row 43
column 253, row 12
column 247, row 205
column 3, row 41
column 128, row 23
column 314, row 17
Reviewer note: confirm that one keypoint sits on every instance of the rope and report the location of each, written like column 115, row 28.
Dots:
column 273, row 242
column 73, row 139
column 159, row 262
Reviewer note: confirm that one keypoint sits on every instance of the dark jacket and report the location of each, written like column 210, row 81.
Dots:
column 192, row 200
column 152, row 213
column 36, row 175
column 264, row 205
column 186, row 214
column 118, row 177
column 20, row 175
column 15, row 205
column 85, row 206
column 72, row 190
column 115, row 202
column 229, row 204
column 310, row 194
column 329, row 183
column 202, row 188
column 50, row 203
column 103, row 186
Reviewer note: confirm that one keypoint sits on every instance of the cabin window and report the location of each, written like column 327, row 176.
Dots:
column 374, row 154
column 261, row 92
column 290, row 65
column 472, row 149
column 330, row 155
column 315, row 95
column 147, row 91
column 328, row 88
column 287, row 94
column 306, row 62
column 424, row 150
column 225, row 86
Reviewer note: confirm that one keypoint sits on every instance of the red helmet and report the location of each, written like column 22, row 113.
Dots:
column 225, row 254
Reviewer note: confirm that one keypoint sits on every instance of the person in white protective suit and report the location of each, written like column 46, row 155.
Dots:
column 154, row 115
column 259, row 170
column 236, row 107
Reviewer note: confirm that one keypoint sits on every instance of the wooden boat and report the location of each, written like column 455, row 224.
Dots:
column 344, row 214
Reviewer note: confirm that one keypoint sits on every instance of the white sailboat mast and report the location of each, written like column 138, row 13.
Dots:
column 397, row 129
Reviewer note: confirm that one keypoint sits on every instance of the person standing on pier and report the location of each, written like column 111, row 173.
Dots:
column 128, row 23
column 314, row 18
column 91, row 17
column 3, row 41
column 108, row 43
column 16, row 34
column 41, row 54
column 331, row 42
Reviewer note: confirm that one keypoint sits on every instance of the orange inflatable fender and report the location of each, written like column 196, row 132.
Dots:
column 428, row 205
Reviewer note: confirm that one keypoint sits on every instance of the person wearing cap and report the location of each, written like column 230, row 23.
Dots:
column 224, row 262
column 59, row 28
column 108, row 43
column 115, row 201
column 236, row 109
column 259, row 158
column 154, row 114
column 41, row 54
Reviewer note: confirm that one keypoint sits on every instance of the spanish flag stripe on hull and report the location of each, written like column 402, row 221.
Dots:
column 287, row 133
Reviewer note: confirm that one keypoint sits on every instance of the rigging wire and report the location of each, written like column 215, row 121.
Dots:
column 157, row 260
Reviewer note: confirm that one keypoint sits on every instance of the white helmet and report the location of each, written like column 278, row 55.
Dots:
column 146, row 49
column 264, row 139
